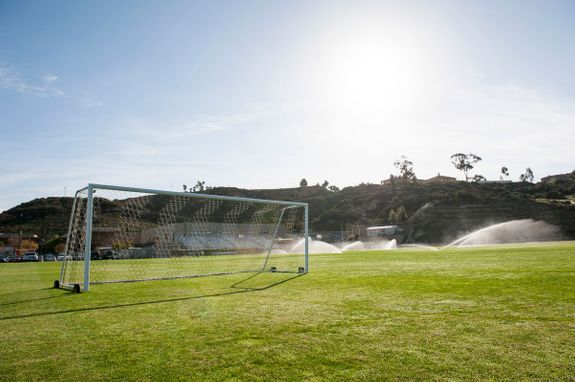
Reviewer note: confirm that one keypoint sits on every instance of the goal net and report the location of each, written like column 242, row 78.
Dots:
column 123, row 234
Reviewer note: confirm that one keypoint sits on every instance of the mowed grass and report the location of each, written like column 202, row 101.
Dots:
column 503, row 313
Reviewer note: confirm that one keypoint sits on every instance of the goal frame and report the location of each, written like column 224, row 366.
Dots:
column 91, row 187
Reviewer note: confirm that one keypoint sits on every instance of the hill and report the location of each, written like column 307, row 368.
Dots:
column 434, row 212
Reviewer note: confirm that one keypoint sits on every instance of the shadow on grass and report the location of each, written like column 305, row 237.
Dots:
column 255, row 282
column 237, row 286
column 32, row 300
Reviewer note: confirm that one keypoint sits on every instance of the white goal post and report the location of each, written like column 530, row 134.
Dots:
column 126, row 234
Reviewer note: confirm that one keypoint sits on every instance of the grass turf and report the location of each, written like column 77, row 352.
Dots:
column 486, row 313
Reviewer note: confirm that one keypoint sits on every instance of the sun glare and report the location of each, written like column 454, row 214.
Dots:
column 364, row 72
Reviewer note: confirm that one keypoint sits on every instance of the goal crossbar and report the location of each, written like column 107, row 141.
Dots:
column 192, row 195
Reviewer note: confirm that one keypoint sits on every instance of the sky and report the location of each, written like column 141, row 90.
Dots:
column 260, row 94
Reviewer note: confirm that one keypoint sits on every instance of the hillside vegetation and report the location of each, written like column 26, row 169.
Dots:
column 434, row 213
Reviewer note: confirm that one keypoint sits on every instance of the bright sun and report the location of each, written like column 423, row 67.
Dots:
column 364, row 72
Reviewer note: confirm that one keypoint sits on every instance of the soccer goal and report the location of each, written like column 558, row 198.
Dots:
column 124, row 234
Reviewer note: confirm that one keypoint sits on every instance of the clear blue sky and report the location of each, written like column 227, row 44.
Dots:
column 259, row 94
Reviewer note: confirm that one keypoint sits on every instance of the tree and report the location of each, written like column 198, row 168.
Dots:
column 478, row 178
column 199, row 187
column 51, row 244
column 505, row 171
column 405, row 167
column 303, row 183
column 59, row 248
column 465, row 162
column 121, row 244
column 26, row 244
column 325, row 184
column 527, row 176
column 333, row 188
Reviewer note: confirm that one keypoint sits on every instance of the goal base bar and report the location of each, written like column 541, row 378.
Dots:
column 75, row 286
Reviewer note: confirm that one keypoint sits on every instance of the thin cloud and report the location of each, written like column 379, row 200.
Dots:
column 152, row 131
column 48, row 79
column 88, row 102
column 11, row 79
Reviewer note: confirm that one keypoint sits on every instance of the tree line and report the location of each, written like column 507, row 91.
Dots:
column 462, row 162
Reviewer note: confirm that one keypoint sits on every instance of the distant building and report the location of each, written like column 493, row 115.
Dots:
column 440, row 179
column 105, row 236
column 7, row 250
column 11, row 242
column 386, row 181
column 558, row 177
column 22, row 236
column 436, row 179
column 383, row 231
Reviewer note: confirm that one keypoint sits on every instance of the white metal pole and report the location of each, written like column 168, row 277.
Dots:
column 88, row 244
column 306, row 233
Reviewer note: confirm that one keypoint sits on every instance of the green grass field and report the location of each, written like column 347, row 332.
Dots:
column 503, row 313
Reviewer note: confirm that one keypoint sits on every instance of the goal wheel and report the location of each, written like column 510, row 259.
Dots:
column 76, row 288
column 301, row 270
column 273, row 269
column 56, row 284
